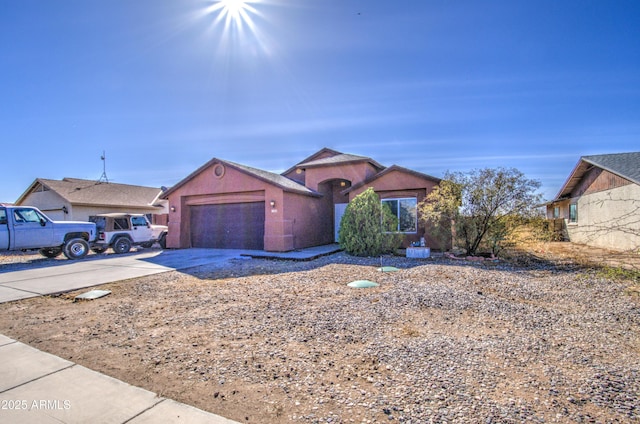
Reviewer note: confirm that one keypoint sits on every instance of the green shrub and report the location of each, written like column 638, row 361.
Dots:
column 367, row 225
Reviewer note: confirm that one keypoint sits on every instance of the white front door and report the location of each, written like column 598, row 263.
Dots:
column 339, row 209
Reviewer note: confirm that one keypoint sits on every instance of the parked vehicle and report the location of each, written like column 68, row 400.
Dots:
column 121, row 231
column 27, row 228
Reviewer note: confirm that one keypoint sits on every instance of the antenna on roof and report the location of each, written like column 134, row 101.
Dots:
column 103, row 177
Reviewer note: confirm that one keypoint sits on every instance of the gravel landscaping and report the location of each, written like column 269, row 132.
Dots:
column 266, row 341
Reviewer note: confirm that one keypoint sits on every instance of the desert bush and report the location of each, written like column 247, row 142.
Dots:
column 367, row 227
column 480, row 209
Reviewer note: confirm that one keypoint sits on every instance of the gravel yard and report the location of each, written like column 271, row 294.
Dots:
column 265, row 341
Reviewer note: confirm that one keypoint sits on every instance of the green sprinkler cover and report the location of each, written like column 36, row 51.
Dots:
column 362, row 284
column 388, row 269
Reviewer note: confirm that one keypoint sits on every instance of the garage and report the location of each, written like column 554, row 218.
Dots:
column 228, row 226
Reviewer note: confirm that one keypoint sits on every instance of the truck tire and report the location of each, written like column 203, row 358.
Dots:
column 51, row 252
column 121, row 245
column 163, row 241
column 76, row 248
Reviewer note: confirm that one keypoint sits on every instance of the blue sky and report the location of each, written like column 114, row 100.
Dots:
column 164, row 85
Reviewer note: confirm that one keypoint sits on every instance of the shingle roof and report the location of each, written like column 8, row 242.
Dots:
column 625, row 165
column 90, row 192
column 338, row 159
column 273, row 178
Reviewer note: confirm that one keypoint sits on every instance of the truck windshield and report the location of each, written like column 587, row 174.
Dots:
column 28, row 215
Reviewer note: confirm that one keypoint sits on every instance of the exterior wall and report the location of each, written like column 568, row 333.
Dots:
column 402, row 185
column 608, row 219
column 310, row 220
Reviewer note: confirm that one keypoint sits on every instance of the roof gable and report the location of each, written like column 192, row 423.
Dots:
column 283, row 182
column 329, row 157
column 277, row 180
column 625, row 165
column 393, row 168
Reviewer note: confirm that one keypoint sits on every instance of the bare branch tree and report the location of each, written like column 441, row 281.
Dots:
column 482, row 204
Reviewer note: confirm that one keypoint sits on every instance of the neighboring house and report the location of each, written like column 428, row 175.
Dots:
column 73, row 199
column 599, row 204
column 228, row 205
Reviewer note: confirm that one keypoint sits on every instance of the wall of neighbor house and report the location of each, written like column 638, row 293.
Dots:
column 354, row 172
column 564, row 209
column 50, row 203
column 232, row 186
column 401, row 184
column 310, row 218
column 609, row 219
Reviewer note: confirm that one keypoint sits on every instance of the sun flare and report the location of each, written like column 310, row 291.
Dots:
column 234, row 12
column 235, row 23
column 233, row 7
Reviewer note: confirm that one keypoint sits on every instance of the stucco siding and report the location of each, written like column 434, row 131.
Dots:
column 609, row 219
column 50, row 203
column 310, row 220
column 353, row 172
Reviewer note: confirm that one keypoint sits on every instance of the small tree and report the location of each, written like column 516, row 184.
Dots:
column 367, row 227
column 483, row 205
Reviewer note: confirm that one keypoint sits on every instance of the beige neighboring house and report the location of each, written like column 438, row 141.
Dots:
column 599, row 204
column 74, row 199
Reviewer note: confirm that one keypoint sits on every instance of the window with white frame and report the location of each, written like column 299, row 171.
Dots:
column 406, row 210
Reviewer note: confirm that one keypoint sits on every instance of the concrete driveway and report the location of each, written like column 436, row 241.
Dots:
column 72, row 275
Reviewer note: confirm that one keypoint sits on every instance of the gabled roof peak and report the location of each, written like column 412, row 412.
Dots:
column 278, row 180
column 330, row 157
column 625, row 165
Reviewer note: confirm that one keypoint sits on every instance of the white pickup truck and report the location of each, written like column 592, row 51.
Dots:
column 27, row 228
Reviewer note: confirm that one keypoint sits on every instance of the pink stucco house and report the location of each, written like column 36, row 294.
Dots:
column 228, row 205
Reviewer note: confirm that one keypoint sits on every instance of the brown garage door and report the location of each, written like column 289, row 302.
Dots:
column 228, row 226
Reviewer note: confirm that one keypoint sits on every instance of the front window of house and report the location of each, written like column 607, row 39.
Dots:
column 556, row 211
column 573, row 212
column 406, row 210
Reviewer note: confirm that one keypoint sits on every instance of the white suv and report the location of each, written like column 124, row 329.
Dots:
column 120, row 231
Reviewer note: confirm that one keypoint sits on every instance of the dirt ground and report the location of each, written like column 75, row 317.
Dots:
column 265, row 341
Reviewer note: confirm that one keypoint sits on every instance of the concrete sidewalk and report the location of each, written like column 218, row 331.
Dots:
column 37, row 387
